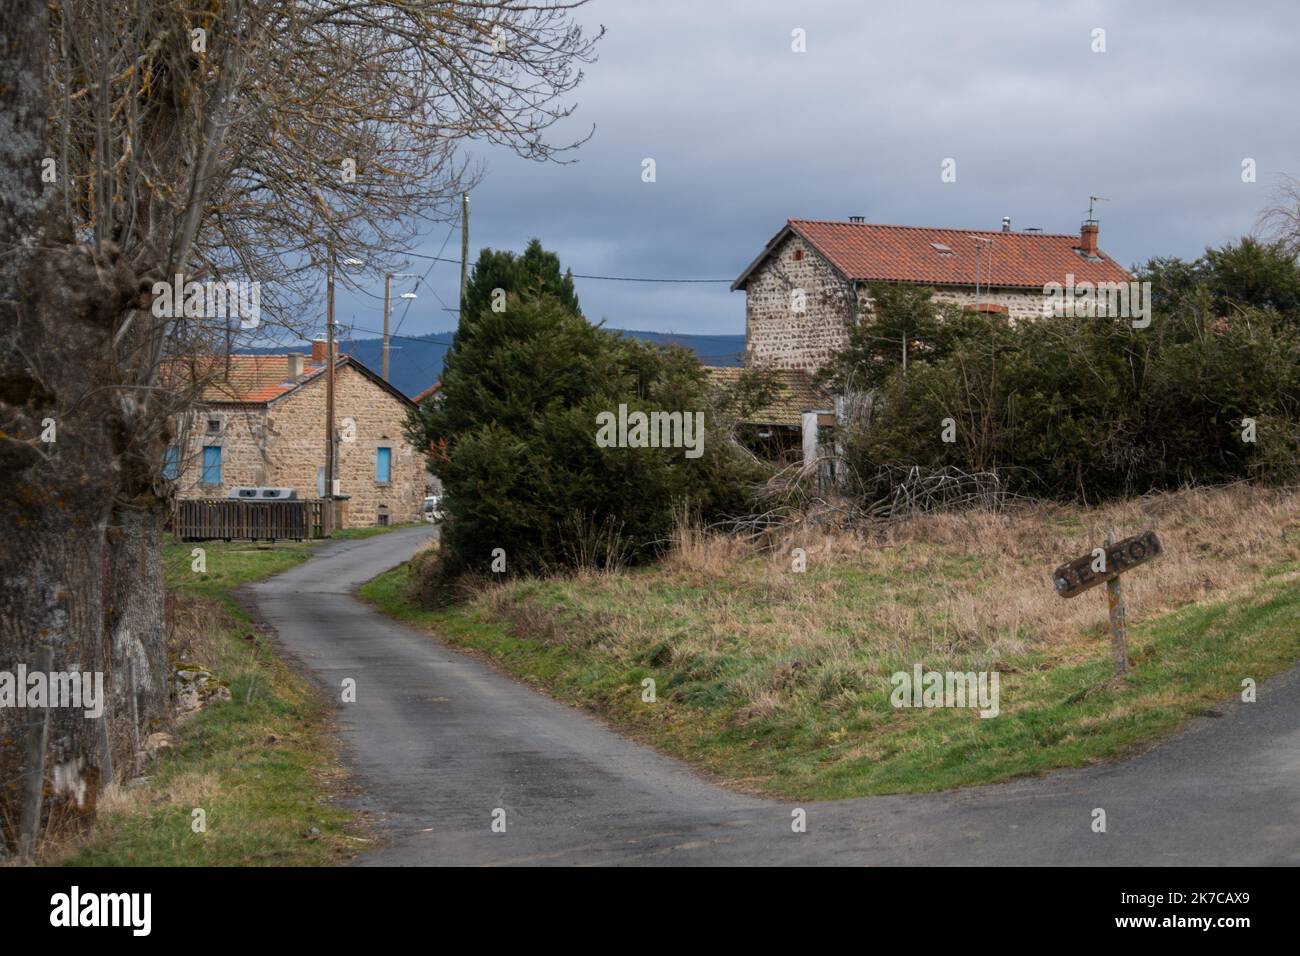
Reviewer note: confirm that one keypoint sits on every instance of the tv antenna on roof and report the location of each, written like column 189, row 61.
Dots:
column 1091, row 201
column 987, row 245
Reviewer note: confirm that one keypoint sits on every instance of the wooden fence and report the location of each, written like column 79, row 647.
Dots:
column 202, row 519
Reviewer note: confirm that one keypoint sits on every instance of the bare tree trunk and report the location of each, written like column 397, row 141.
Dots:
column 51, row 620
column 136, row 630
column 63, row 429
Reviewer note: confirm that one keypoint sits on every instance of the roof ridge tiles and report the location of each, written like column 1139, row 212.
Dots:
column 982, row 232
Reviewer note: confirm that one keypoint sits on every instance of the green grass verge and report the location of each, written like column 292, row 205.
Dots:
column 841, row 737
column 262, row 766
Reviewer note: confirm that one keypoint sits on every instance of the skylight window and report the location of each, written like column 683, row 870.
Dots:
column 942, row 248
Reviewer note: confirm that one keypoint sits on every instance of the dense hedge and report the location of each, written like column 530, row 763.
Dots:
column 1082, row 408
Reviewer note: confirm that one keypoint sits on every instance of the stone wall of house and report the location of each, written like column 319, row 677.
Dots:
column 368, row 418
column 797, row 308
column 1021, row 303
column 240, row 432
column 283, row 445
column 378, row 417
column 778, row 332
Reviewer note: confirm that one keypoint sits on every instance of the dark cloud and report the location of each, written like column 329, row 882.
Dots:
column 746, row 133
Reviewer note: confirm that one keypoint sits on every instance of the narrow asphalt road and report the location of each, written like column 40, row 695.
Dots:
column 439, row 742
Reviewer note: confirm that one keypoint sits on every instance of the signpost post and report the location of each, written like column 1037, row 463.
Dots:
column 1104, row 566
column 1115, row 604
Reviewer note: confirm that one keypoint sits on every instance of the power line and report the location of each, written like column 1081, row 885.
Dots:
column 425, row 277
column 436, row 341
column 408, row 338
column 580, row 275
column 643, row 279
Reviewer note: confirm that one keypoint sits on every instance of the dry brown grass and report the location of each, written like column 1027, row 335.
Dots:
column 698, row 551
column 1215, row 540
column 970, row 590
column 197, row 626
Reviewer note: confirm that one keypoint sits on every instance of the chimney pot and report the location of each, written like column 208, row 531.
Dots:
column 1088, row 237
column 1006, row 223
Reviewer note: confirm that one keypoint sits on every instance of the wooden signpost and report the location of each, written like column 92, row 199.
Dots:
column 1104, row 566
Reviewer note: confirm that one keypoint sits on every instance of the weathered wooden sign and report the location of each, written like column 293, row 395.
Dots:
column 1104, row 566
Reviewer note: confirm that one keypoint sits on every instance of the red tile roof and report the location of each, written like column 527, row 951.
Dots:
column 258, row 379
column 863, row 251
column 251, row 378
column 431, row 390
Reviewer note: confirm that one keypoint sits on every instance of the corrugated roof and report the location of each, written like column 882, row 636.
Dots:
column 864, row 251
column 796, row 393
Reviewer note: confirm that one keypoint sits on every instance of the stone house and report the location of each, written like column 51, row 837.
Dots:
column 260, row 422
column 809, row 282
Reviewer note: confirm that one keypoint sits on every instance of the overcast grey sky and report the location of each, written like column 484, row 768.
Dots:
column 746, row 133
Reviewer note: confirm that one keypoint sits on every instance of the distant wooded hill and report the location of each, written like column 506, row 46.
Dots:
column 415, row 362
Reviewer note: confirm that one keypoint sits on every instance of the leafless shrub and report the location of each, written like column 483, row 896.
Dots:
column 916, row 491
column 1281, row 220
column 595, row 546
column 798, row 500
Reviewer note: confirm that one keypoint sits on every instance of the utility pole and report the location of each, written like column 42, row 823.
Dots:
column 388, row 294
column 329, row 387
column 464, row 249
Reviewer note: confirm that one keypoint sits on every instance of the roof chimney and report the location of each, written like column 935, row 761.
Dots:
column 320, row 348
column 295, row 364
column 1006, row 223
column 857, row 218
column 1088, row 238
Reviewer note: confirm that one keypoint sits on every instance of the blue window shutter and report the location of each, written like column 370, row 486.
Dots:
column 171, row 463
column 383, row 464
column 212, row 465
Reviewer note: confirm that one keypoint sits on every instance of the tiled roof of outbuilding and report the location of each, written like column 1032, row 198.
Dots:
column 796, row 393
